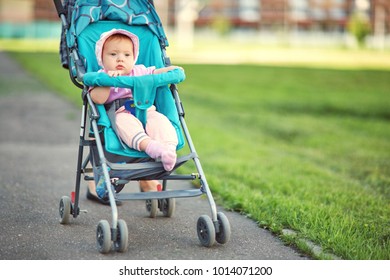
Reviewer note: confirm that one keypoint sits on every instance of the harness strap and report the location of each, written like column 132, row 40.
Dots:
column 111, row 109
column 118, row 103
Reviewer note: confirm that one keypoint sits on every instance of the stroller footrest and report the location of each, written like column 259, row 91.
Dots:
column 159, row 195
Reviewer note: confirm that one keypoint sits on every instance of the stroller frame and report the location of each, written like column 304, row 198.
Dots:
column 210, row 230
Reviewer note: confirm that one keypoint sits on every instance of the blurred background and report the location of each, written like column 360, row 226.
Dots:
column 310, row 83
column 324, row 23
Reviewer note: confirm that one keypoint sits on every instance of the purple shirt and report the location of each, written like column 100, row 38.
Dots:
column 117, row 93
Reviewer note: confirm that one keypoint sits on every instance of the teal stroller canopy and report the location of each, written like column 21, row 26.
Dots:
column 131, row 12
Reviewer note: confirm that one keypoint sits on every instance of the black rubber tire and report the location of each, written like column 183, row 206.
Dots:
column 122, row 238
column 223, row 236
column 206, row 231
column 65, row 210
column 103, row 236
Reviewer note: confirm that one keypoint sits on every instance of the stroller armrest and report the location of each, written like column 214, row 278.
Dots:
column 103, row 80
column 144, row 87
column 172, row 77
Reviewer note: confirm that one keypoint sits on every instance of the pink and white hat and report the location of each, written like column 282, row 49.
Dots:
column 104, row 36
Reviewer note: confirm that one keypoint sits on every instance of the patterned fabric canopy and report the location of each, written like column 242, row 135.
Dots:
column 131, row 12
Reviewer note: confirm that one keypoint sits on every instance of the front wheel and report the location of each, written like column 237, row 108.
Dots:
column 103, row 237
column 65, row 209
column 122, row 237
column 224, row 233
column 206, row 231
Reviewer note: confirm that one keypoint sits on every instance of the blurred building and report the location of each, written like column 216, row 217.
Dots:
column 45, row 10
column 289, row 15
column 324, row 15
column 28, row 18
column 19, row 11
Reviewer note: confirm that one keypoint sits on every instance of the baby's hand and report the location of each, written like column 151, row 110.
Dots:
column 176, row 67
column 167, row 69
column 114, row 73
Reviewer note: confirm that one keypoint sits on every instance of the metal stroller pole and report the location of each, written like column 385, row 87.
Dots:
column 103, row 162
column 198, row 165
column 79, row 160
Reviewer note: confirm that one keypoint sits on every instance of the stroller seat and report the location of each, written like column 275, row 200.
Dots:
column 149, row 55
column 147, row 90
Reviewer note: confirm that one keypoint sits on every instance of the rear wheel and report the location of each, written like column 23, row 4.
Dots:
column 168, row 206
column 152, row 207
column 65, row 209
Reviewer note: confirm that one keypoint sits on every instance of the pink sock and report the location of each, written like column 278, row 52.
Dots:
column 167, row 153
column 168, row 157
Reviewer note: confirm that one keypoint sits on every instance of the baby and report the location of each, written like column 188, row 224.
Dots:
column 117, row 52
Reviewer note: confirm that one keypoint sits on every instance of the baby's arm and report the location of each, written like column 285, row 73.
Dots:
column 100, row 95
column 166, row 69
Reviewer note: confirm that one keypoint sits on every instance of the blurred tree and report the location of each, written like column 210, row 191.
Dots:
column 359, row 26
column 221, row 25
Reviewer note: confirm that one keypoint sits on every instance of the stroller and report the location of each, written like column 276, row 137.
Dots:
column 83, row 22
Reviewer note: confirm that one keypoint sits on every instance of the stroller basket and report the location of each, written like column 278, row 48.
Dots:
column 83, row 22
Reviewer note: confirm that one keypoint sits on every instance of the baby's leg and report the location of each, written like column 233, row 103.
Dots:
column 163, row 136
column 130, row 130
column 159, row 128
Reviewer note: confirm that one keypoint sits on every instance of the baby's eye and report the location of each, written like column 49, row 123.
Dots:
column 127, row 54
column 113, row 54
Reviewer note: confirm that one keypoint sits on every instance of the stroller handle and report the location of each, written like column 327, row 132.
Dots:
column 103, row 80
column 59, row 7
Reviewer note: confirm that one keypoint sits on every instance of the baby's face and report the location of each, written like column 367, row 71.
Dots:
column 118, row 55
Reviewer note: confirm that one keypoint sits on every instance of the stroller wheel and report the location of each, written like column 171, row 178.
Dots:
column 152, row 207
column 168, row 206
column 103, row 236
column 119, row 188
column 206, row 231
column 122, row 237
column 223, row 235
column 65, row 209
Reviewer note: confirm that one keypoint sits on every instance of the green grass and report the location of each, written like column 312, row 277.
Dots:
column 291, row 147
column 298, row 148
